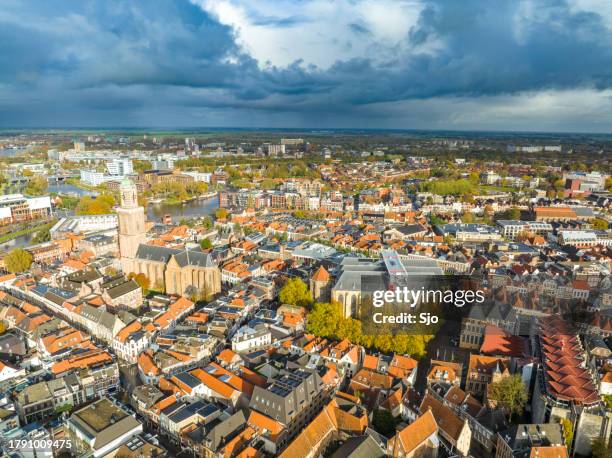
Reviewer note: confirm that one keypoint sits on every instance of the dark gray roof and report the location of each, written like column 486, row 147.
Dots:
column 121, row 289
column 188, row 379
column 183, row 257
column 287, row 396
column 410, row 229
column 155, row 253
column 102, row 317
column 490, row 312
column 359, row 447
column 225, row 430
column 84, row 276
column 194, row 258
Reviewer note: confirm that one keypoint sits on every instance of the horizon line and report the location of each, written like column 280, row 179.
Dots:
column 318, row 130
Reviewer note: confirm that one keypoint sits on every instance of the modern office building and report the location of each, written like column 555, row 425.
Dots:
column 15, row 208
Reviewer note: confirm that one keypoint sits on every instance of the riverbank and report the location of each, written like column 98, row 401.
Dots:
column 175, row 201
column 28, row 230
column 77, row 183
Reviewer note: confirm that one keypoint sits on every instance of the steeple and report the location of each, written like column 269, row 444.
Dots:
column 131, row 225
column 129, row 197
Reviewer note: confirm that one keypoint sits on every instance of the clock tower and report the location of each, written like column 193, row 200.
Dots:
column 131, row 225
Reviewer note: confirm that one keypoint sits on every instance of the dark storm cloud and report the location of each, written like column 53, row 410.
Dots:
column 163, row 62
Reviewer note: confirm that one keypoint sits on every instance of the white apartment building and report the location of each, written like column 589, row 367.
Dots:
column 93, row 178
column 275, row 150
column 511, row 228
column 584, row 238
column 199, row 176
column 120, row 167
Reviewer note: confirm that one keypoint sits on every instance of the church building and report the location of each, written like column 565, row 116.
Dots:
column 177, row 271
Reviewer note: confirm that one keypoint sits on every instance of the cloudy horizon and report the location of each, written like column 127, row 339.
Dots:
column 415, row 64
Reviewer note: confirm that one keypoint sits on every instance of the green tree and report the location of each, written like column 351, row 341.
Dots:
column 42, row 236
column 436, row 220
column 207, row 222
column 513, row 213
column 510, row 394
column 383, row 422
column 18, row 260
column 449, row 187
column 296, row 292
column 206, row 244
column 326, row 320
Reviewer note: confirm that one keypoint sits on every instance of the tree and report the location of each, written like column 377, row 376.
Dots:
column 467, row 217
column 568, row 431
column 141, row 166
column 436, row 220
column 383, row 422
column 42, row 236
column 100, row 205
column 207, row 222
column 142, row 280
column 449, row 187
column 18, row 260
column 37, row 185
column 267, row 184
column 206, row 244
column 221, row 213
column 513, row 213
column 600, row 224
column 510, row 394
column 599, row 449
column 326, row 320
column 296, row 292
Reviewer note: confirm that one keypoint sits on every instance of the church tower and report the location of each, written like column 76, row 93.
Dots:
column 131, row 225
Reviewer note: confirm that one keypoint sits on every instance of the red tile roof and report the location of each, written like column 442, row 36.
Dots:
column 500, row 342
column 562, row 355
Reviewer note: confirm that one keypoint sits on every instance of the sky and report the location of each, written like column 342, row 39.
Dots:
column 523, row 65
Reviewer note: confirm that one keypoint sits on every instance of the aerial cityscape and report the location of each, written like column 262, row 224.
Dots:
column 306, row 229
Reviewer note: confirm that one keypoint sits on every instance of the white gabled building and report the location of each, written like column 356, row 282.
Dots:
column 248, row 338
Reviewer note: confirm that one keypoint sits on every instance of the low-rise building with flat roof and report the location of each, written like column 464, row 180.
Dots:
column 100, row 428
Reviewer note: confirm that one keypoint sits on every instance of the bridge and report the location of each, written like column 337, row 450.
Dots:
column 62, row 177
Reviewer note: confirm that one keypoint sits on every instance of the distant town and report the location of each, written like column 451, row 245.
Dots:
column 205, row 294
